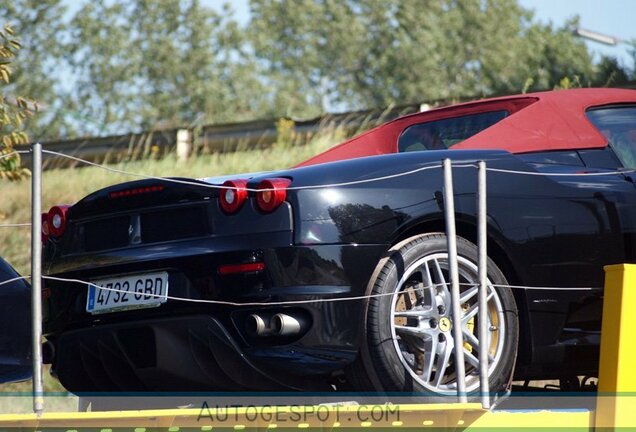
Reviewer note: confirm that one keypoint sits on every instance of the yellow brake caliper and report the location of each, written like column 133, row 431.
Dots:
column 470, row 325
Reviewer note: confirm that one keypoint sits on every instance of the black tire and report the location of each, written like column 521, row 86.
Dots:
column 398, row 346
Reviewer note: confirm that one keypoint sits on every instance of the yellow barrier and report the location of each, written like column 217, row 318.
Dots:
column 615, row 404
column 426, row 416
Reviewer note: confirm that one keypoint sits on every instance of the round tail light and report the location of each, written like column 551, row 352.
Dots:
column 272, row 193
column 56, row 220
column 233, row 195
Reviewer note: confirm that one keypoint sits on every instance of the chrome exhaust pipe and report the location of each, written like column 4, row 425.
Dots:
column 285, row 325
column 256, row 325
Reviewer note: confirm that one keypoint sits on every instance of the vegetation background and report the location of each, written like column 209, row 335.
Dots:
column 115, row 66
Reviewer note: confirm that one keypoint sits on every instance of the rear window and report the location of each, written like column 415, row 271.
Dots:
column 618, row 125
column 442, row 134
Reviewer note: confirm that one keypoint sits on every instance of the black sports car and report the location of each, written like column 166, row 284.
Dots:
column 273, row 266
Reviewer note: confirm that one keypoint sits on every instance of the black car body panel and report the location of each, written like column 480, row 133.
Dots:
column 15, row 326
column 325, row 242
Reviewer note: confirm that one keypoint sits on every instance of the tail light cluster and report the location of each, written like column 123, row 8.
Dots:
column 233, row 195
column 271, row 193
column 54, row 222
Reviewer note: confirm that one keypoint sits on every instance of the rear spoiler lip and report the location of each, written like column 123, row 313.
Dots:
column 217, row 180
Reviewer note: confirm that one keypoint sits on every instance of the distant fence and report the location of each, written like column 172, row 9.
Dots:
column 214, row 138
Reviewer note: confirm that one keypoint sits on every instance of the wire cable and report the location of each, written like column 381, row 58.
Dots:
column 299, row 302
column 339, row 184
column 212, row 186
column 10, row 154
column 541, row 174
column 8, row 281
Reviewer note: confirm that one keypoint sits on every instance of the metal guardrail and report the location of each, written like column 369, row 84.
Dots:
column 103, row 149
column 214, row 138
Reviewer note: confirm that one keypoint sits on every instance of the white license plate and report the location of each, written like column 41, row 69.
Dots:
column 127, row 292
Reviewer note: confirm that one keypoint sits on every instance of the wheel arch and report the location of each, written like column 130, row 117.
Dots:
column 466, row 227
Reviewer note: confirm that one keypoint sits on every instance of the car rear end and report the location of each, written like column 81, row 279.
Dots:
column 180, row 285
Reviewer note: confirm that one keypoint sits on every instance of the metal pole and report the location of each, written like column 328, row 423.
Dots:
column 483, row 285
column 449, row 210
column 36, row 276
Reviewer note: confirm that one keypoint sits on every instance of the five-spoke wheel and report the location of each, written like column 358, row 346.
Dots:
column 410, row 342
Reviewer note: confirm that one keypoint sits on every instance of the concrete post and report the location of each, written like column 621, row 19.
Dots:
column 184, row 145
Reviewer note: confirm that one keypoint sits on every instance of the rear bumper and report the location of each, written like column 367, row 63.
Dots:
column 193, row 353
column 185, row 346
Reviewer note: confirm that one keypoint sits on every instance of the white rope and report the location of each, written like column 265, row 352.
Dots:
column 298, row 302
column 8, row 155
column 586, row 174
column 221, row 302
column 340, row 184
column 211, row 186
column 28, row 224
column 144, row 176
column 8, row 281
column 531, row 288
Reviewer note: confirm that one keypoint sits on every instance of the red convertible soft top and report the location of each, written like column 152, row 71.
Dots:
column 552, row 120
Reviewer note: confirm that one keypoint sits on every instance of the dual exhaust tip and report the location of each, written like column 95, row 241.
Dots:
column 279, row 325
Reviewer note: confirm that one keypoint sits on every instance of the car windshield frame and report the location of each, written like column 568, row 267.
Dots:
column 618, row 129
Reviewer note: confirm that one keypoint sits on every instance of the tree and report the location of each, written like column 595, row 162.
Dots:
column 13, row 110
column 555, row 54
column 609, row 72
column 364, row 53
column 115, row 66
column 41, row 26
column 164, row 63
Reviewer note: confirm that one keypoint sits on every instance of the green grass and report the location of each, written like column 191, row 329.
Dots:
column 67, row 186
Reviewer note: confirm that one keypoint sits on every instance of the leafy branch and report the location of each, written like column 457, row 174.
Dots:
column 13, row 110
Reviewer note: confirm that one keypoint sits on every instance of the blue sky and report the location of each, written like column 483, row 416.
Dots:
column 611, row 17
